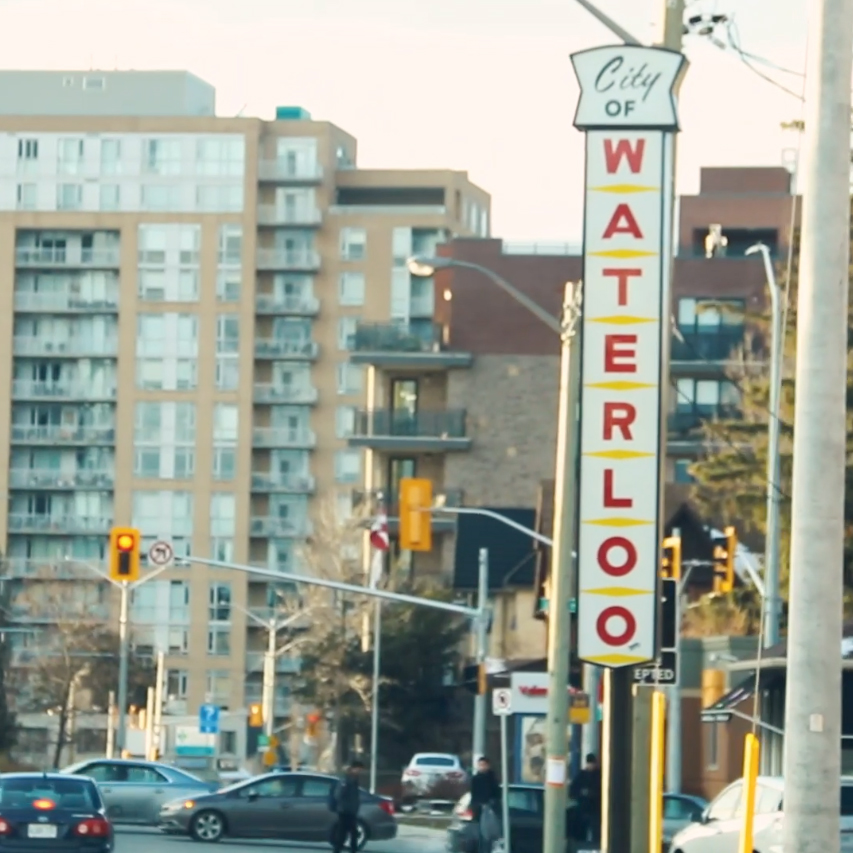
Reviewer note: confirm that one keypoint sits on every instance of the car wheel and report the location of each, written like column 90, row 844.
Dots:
column 207, row 826
column 363, row 835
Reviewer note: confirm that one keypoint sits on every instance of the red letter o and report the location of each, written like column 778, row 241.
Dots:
column 616, row 613
column 604, row 553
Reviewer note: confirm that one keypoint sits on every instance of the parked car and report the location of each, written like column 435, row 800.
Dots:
column 53, row 811
column 434, row 774
column 679, row 811
column 281, row 806
column 718, row 828
column 134, row 791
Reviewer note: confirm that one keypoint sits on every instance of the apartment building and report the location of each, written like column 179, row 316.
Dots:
column 180, row 293
column 470, row 400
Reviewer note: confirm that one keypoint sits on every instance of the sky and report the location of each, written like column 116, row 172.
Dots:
column 484, row 86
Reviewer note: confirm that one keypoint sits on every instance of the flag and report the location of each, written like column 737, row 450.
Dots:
column 380, row 542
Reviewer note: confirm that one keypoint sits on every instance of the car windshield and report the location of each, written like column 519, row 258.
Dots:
column 18, row 793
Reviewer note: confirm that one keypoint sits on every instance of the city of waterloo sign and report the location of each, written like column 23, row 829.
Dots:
column 627, row 109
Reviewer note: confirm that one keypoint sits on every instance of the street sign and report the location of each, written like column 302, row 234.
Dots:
column 208, row 719
column 663, row 671
column 190, row 742
column 502, row 702
column 579, row 709
column 161, row 553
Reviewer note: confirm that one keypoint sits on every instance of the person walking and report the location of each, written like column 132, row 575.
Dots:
column 485, row 795
column 344, row 801
column 586, row 792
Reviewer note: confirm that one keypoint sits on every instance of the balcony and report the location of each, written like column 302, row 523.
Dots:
column 283, row 437
column 299, row 306
column 441, row 523
column 274, row 394
column 77, row 611
column 66, row 303
column 288, row 350
column 284, row 172
column 397, row 346
column 297, row 484
column 684, row 426
column 417, row 432
column 105, row 436
column 61, row 525
column 21, row 568
column 53, row 480
column 283, row 664
column 273, row 527
column 298, row 260
column 275, row 217
column 28, row 389
column 71, row 256
column 705, row 352
column 75, row 348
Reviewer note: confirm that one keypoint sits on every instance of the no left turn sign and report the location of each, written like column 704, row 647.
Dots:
column 502, row 702
column 161, row 553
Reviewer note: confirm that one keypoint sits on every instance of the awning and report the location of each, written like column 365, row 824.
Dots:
column 721, row 710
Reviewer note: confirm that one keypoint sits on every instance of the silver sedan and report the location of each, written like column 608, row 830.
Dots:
column 134, row 791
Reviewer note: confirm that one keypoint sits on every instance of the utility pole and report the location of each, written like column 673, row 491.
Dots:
column 812, row 761
column 159, row 686
column 268, row 690
column 121, row 737
column 562, row 576
column 673, row 24
column 478, row 745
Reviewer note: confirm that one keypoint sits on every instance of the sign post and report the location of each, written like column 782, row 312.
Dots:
column 627, row 109
column 502, row 709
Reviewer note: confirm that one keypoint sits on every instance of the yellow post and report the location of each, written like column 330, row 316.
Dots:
column 750, row 775
column 658, row 763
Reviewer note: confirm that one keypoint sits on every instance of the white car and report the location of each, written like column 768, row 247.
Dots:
column 718, row 831
column 434, row 773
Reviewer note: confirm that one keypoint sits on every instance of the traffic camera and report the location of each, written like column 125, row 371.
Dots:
column 415, row 517
column 724, row 561
column 124, row 554
column 671, row 558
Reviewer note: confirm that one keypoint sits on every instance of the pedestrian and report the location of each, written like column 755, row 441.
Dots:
column 485, row 798
column 344, row 801
column 586, row 792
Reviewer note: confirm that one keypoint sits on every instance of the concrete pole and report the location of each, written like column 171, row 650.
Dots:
column 374, row 703
column 812, row 761
column 562, row 577
column 159, row 687
column 673, row 24
column 149, row 724
column 478, row 745
column 124, row 649
column 111, row 720
column 268, row 690
column 640, row 776
column 590, row 740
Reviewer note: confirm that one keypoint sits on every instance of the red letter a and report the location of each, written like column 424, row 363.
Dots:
column 623, row 222
column 623, row 148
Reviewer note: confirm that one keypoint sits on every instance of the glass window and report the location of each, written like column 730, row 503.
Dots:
column 228, row 285
column 320, row 788
column 161, row 156
column 223, row 512
column 353, row 244
column 226, row 421
column 350, row 379
column 347, row 466
column 161, row 197
column 230, row 245
column 224, row 463
column 69, row 196
column 219, row 602
column 110, row 156
column 346, row 332
column 145, row 775
column 344, row 421
column 279, row 786
column 69, row 156
column 712, row 745
column 27, row 196
column 227, row 372
column 219, row 641
column 220, row 198
column 523, row 800
column 177, row 681
column 228, row 333
column 219, row 685
column 110, row 197
column 351, row 288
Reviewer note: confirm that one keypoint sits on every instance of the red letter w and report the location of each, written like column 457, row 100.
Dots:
column 632, row 152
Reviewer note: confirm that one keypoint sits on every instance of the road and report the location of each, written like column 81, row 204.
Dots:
column 132, row 840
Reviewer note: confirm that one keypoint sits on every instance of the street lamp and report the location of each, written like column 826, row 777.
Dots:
column 772, row 602
column 562, row 579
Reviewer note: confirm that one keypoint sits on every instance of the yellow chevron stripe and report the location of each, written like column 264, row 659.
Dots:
column 619, row 454
column 617, row 522
column 621, row 385
column 623, row 253
column 617, row 660
column 624, row 188
column 621, row 320
column 620, row 591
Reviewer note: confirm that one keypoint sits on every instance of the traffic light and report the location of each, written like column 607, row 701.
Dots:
column 724, row 562
column 671, row 559
column 124, row 554
column 312, row 725
column 415, row 518
column 256, row 716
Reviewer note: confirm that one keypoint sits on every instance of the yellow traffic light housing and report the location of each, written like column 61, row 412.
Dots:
column 724, row 562
column 256, row 716
column 124, row 554
column 415, row 517
column 671, row 559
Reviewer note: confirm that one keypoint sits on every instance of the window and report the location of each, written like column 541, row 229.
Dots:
column 351, row 288
column 164, row 515
column 709, row 315
column 347, row 466
column 680, row 809
column 682, row 471
column 524, row 800
column 176, row 683
column 222, row 550
column 161, row 197
column 319, row 788
column 219, row 602
column 712, row 745
column 178, row 640
column 227, row 372
column 69, row 196
column 353, row 244
column 110, row 197
column 224, row 463
column 161, row 157
column 220, row 156
column 223, row 511
column 277, row 787
column 226, row 419
column 344, row 421
column 228, row 333
column 350, row 379
column 706, row 396
column 28, row 149
column 230, row 245
column 215, row 198
column 69, row 156
column 346, row 332
column 27, row 197
column 95, row 83
column 219, row 640
column 228, row 285
column 110, row 156
column 219, row 686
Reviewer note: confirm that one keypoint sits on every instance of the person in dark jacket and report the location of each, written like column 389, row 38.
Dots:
column 485, row 792
column 586, row 791
column 345, row 802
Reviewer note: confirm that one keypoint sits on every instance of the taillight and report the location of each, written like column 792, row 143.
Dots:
column 466, row 814
column 387, row 806
column 95, row 827
column 455, row 775
column 412, row 773
column 5, row 829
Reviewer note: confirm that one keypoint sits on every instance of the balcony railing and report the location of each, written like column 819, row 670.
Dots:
column 31, row 389
column 78, row 347
column 273, row 526
column 63, row 435
column 59, row 301
column 22, row 568
column 390, row 500
column 66, row 257
column 397, row 337
column 60, row 524
column 270, row 303
column 288, row 259
column 271, row 482
column 270, row 214
column 718, row 345
column 42, row 478
column 685, row 420
column 283, row 663
column 282, row 171
column 82, row 611
column 447, row 423
column 282, row 437
column 273, row 348
column 270, row 393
